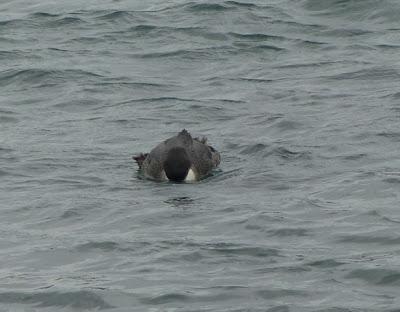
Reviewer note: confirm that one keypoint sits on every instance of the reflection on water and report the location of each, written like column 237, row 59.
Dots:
column 180, row 202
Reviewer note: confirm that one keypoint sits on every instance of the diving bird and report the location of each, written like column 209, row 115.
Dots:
column 179, row 158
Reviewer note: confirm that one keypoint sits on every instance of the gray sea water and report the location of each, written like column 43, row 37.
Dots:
column 302, row 99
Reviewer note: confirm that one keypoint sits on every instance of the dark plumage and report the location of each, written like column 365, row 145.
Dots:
column 179, row 158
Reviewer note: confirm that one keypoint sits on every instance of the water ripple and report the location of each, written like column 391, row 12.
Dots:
column 42, row 77
column 370, row 239
column 376, row 276
column 300, row 97
column 78, row 300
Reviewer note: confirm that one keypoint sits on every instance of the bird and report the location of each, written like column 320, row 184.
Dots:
column 180, row 158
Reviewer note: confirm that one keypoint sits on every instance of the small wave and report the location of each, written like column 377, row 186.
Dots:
column 220, row 175
column 348, row 32
column 368, row 239
column 183, row 201
column 10, row 40
column 57, row 49
column 240, row 47
column 253, row 149
column 376, row 276
column 338, row 309
column 284, row 232
column 306, row 65
column 66, row 182
column 148, row 29
column 368, row 74
column 264, row 47
column 165, row 298
column 299, row 25
column 190, row 54
column 357, row 10
column 4, row 149
column 28, row 55
column 75, row 181
column 395, row 95
column 7, row 119
column 4, row 173
column 280, row 308
column 253, row 80
column 353, row 157
column 42, row 19
column 13, row 23
column 216, row 293
column 393, row 136
column 105, row 246
column 326, row 263
column 224, row 6
column 215, row 112
column 310, row 43
column 256, row 36
column 278, row 293
column 40, row 15
column 392, row 180
column 65, row 21
column 287, row 125
column 81, row 39
column 243, row 4
column 161, row 99
column 12, row 76
column 81, row 300
column 226, row 101
column 133, row 84
column 71, row 213
column 16, row 55
column 388, row 46
column 376, row 214
column 110, row 246
column 206, row 7
column 178, row 53
column 244, row 251
column 227, row 249
column 209, row 7
column 42, row 77
column 327, row 5
column 143, row 28
column 287, row 154
column 116, row 16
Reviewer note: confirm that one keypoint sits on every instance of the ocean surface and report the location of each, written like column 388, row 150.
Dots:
column 301, row 98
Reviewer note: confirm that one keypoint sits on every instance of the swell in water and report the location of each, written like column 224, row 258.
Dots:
column 301, row 99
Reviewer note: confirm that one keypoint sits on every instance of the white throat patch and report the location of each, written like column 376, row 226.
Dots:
column 190, row 177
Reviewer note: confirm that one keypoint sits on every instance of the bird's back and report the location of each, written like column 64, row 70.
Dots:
column 203, row 157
